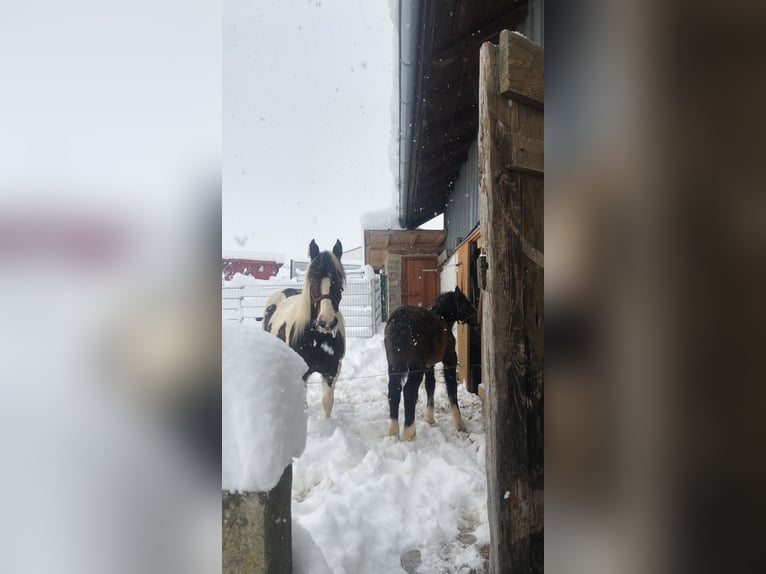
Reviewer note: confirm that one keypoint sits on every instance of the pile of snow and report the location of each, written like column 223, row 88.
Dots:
column 240, row 280
column 263, row 401
column 307, row 557
column 367, row 500
column 283, row 273
column 253, row 255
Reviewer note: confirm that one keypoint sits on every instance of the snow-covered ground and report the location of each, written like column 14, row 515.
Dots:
column 370, row 504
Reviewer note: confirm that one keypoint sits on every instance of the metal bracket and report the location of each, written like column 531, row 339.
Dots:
column 482, row 266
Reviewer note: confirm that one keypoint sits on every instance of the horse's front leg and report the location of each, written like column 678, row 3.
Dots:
column 328, row 396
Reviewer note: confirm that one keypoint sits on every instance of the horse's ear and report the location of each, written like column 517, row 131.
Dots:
column 338, row 249
column 457, row 290
column 313, row 249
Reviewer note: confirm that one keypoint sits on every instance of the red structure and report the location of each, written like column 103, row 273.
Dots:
column 254, row 264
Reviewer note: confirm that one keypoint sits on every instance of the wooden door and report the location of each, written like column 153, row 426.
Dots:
column 469, row 338
column 420, row 281
column 511, row 201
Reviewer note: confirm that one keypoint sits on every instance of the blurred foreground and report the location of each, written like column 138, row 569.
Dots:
column 110, row 146
column 655, row 244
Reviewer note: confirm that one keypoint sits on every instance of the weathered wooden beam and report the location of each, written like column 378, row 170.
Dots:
column 257, row 530
column 527, row 154
column 511, row 212
column 521, row 65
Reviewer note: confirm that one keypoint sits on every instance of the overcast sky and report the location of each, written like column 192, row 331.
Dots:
column 307, row 131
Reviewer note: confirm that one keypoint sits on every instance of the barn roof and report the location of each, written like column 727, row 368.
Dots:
column 438, row 95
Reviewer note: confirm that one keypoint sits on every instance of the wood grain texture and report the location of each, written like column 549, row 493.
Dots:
column 521, row 62
column 511, row 204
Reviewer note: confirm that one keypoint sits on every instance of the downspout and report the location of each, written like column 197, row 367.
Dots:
column 409, row 27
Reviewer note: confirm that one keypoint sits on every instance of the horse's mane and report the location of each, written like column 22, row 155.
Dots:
column 303, row 310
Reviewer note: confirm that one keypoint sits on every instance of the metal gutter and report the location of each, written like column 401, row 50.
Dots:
column 409, row 31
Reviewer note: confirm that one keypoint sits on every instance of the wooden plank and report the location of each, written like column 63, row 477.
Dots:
column 521, row 69
column 527, row 154
column 511, row 203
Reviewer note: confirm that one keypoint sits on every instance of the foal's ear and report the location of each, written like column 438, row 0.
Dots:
column 313, row 249
column 338, row 249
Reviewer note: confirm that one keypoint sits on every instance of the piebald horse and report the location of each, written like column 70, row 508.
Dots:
column 310, row 321
column 416, row 339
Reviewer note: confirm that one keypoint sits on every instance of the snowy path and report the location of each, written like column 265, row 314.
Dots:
column 375, row 505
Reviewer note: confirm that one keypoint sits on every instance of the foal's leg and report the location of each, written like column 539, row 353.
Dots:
column 450, row 365
column 394, row 396
column 430, row 384
column 410, row 400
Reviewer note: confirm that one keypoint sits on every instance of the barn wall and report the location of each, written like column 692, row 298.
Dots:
column 462, row 213
column 394, row 280
column 533, row 25
column 449, row 274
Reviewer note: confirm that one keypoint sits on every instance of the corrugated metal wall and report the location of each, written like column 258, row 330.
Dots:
column 462, row 213
column 533, row 26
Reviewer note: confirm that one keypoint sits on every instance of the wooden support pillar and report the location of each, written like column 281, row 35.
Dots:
column 257, row 530
column 511, row 201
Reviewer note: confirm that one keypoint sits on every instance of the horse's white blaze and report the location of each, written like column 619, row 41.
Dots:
column 328, row 397
column 326, row 312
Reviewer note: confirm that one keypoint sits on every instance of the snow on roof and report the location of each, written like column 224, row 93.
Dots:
column 253, row 255
column 263, row 398
column 387, row 218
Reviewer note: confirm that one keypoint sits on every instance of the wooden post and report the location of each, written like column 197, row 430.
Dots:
column 257, row 530
column 511, row 201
